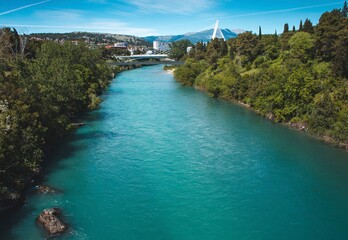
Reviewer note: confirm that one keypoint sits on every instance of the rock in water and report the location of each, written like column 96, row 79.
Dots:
column 79, row 124
column 49, row 218
column 43, row 189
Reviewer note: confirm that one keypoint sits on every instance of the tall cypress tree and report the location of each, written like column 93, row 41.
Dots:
column 308, row 26
column 293, row 29
column 301, row 27
column 345, row 9
column 286, row 28
column 260, row 32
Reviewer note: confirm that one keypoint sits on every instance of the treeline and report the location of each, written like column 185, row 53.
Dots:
column 44, row 87
column 298, row 77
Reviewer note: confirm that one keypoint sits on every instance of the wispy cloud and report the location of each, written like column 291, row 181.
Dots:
column 281, row 10
column 98, row 1
column 60, row 14
column 23, row 7
column 171, row 6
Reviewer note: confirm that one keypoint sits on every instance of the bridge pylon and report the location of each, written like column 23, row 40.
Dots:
column 217, row 32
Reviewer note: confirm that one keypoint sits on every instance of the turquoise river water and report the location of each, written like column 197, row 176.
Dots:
column 162, row 161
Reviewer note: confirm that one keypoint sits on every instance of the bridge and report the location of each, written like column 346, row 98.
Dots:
column 144, row 63
column 153, row 59
column 144, row 60
column 143, row 57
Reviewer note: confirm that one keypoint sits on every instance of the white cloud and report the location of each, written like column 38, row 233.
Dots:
column 171, row 6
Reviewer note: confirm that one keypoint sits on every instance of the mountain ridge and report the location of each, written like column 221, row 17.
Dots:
column 194, row 37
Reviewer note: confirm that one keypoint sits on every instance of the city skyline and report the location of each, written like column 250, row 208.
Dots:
column 145, row 18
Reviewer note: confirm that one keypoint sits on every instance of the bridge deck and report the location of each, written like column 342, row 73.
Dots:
column 145, row 63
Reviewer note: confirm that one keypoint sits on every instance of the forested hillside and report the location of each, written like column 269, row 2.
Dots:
column 96, row 38
column 299, row 77
column 44, row 87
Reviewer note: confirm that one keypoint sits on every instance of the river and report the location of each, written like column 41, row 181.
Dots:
column 162, row 161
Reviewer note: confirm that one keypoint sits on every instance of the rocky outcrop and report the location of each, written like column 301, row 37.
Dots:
column 50, row 220
column 270, row 116
column 299, row 126
column 10, row 201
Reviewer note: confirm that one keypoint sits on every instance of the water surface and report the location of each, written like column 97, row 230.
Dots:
column 161, row 161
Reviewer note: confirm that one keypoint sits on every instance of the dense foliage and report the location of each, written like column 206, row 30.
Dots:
column 298, row 77
column 178, row 49
column 44, row 87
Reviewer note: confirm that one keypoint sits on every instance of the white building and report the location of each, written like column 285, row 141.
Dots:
column 160, row 46
column 121, row 45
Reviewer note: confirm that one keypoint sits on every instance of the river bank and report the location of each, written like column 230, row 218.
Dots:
column 297, row 126
column 15, row 200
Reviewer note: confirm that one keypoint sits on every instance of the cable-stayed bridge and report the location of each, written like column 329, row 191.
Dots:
column 160, row 57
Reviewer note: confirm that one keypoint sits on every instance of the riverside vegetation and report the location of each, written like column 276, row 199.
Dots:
column 44, row 88
column 299, row 77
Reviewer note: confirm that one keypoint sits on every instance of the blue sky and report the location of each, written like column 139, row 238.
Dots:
column 158, row 17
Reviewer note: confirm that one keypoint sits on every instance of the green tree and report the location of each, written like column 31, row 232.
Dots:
column 187, row 73
column 246, row 43
column 308, row 26
column 178, row 49
column 216, row 49
column 345, row 10
column 286, row 28
column 324, row 112
column 330, row 23
column 341, row 125
column 340, row 61
column 302, row 46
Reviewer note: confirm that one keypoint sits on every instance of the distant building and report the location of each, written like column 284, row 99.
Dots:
column 188, row 49
column 121, row 45
column 160, row 46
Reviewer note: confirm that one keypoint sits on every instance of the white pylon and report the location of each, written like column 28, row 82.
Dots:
column 217, row 30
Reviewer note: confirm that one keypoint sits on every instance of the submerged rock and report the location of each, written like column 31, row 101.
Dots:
column 50, row 220
column 80, row 124
column 44, row 189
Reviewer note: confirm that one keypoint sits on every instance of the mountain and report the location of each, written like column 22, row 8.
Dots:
column 238, row 31
column 203, row 36
column 168, row 38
